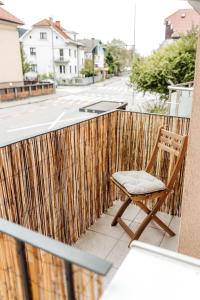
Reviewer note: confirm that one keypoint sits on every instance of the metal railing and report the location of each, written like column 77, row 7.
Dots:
column 69, row 255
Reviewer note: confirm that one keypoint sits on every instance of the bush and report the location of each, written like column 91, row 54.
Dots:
column 88, row 69
column 175, row 62
column 156, row 107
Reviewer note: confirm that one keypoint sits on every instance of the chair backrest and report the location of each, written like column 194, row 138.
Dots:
column 174, row 144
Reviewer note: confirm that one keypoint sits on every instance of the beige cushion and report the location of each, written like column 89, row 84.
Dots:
column 139, row 182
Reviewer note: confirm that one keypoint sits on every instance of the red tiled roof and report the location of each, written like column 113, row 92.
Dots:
column 182, row 21
column 48, row 23
column 6, row 16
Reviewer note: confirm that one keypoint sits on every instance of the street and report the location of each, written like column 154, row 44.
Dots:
column 24, row 118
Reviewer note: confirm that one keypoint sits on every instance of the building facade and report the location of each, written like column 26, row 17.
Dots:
column 181, row 22
column 10, row 57
column 96, row 48
column 53, row 52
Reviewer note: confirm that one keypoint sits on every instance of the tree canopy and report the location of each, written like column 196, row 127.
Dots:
column 174, row 62
column 117, row 56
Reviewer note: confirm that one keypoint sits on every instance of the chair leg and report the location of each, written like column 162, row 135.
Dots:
column 156, row 219
column 121, row 211
column 148, row 218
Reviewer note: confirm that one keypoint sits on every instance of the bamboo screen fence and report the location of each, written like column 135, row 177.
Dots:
column 46, row 275
column 58, row 183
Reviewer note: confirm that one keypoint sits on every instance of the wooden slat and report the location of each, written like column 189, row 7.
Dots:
column 173, row 135
column 168, row 149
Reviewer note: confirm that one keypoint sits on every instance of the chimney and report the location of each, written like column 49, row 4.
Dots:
column 51, row 19
column 58, row 24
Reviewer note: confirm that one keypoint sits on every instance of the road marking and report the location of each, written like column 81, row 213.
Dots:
column 28, row 127
column 68, row 121
column 57, row 120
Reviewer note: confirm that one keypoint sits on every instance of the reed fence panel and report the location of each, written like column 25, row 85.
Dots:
column 46, row 275
column 58, row 183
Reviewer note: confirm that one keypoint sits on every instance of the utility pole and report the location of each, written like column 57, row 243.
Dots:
column 78, row 56
column 134, row 28
column 93, row 59
column 53, row 57
column 133, row 54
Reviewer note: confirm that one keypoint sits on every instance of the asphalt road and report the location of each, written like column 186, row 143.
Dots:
column 25, row 118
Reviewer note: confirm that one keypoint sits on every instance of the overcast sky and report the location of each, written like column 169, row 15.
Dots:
column 103, row 19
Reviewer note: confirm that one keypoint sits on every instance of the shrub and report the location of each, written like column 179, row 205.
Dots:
column 175, row 62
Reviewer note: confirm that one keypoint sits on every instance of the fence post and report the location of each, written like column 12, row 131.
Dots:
column 24, row 269
column 16, row 93
column 70, row 281
column 30, row 91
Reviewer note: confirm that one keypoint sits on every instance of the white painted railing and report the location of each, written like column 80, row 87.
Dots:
column 180, row 99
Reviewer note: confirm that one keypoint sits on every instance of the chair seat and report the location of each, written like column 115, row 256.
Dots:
column 139, row 182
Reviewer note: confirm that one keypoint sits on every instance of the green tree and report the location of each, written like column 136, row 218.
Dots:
column 88, row 69
column 26, row 66
column 121, row 56
column 175, row 62
column 110, row 63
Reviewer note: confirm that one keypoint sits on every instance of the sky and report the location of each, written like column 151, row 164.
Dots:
column 103, row 19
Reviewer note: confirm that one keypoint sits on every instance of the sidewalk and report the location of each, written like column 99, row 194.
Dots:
column 31, row 100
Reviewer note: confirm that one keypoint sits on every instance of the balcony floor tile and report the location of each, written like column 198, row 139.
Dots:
column 118, row 253
column 171, row 243
column 150, row 235
column 96, row 243
column 111, row 243
column 103, row 225
column 130, row 213
column 163, row 216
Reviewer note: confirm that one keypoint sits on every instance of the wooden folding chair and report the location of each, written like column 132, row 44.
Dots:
column 176, row 146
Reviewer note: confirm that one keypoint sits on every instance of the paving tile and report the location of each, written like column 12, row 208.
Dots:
column 171, row 243
column 150, row 235
column 109, row 276
column 129, row 214
column 175, row 224
column 118, row 253
column 96, row 243
column 166, row 218
column 103, row 225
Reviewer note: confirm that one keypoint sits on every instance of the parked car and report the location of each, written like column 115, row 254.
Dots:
column 49, row 81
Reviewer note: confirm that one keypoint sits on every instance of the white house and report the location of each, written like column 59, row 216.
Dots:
column 10, row 58
column 96, row 47
column 51, row 50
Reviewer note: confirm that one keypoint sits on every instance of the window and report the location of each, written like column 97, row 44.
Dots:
column 61, row 52
column 70, row 69
column 75, row 68
column 43, row 35
column 62, row 69
column 74, row 53
column 34, row 68
column 32, row 51
column 69, row 52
